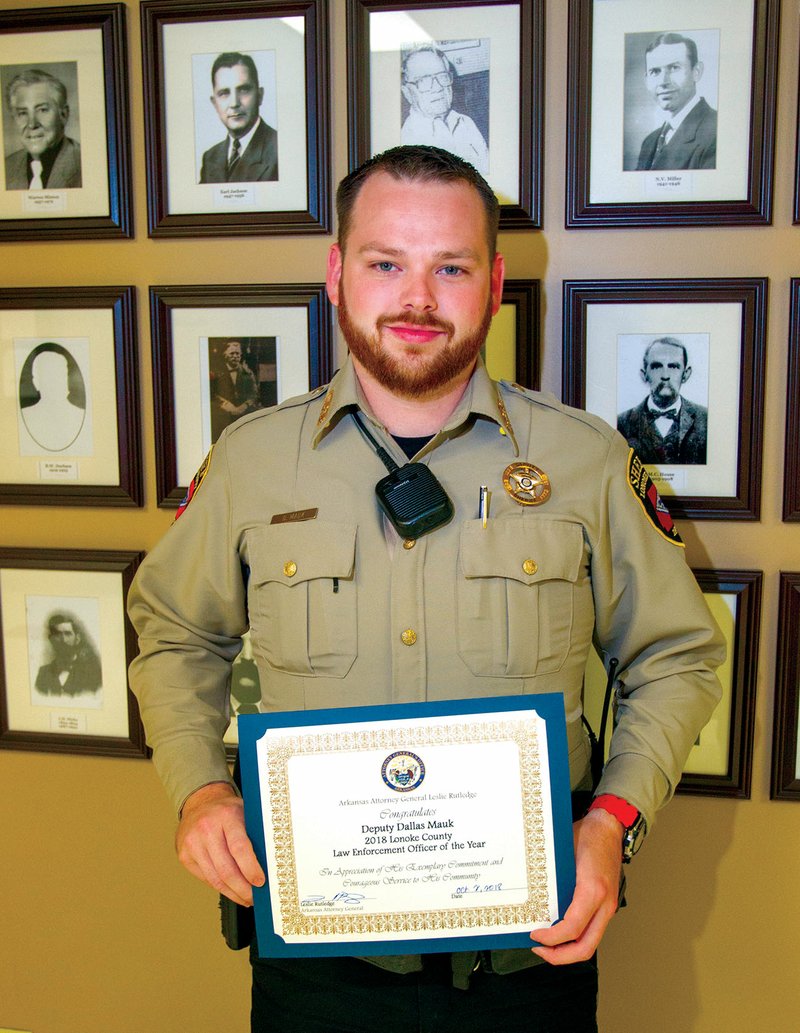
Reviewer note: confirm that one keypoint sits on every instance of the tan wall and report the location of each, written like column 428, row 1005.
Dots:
column 102, row 932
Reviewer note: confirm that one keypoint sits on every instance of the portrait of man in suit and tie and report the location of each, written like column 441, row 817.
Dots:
column 687, row 135
column 73, row 666
column 666, row 427
column 249, row 152
column 38, row 110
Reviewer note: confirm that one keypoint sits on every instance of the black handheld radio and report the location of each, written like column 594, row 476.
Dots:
column 410, row 496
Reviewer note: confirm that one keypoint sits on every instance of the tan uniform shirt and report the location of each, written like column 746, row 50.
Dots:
column 344, row 613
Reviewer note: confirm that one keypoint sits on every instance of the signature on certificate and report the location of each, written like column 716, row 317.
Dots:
column 342, row 897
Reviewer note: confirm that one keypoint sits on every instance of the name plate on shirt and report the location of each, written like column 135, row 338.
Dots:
column 409, row 828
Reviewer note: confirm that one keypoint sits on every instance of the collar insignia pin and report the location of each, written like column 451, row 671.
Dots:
column 326, row 405
column 503, row 413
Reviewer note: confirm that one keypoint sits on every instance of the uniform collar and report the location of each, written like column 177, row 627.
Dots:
column 481, row 398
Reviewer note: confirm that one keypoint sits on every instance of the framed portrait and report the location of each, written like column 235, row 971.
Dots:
column 65, row 646
column 796, row 218
column 479, row 95
column 720, row 762
column 677, row 366
column 69, row 419
column 511, row 351
column 66, row 145
column 785, row 782
column 671, row 112
column 221, row 352
column 791, row 475
column 237, row 127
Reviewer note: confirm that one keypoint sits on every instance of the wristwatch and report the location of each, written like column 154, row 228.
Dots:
column 626, row 814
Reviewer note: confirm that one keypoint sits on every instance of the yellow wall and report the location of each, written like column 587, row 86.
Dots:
column 102, row 932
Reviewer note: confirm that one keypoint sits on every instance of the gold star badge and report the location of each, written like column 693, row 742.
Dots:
column 526, row 484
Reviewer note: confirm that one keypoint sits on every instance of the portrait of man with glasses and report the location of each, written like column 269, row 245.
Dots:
column 428, row 78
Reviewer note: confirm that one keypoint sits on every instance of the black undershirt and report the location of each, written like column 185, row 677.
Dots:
column 411, row 446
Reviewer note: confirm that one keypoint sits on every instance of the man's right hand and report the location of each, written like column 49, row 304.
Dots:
column 213, row 845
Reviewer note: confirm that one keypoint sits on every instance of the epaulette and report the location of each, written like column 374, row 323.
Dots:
column 309, row 396
column 512, row 385
column 289, row 403
column 549, row 401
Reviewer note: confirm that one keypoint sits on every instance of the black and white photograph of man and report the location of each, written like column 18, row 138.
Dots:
column 248, row 153
column 666, row 427
column 69, row 663
column 53, row 396
column 40, row 127
column 243, row 377
column 445, row 98
column 670, row 100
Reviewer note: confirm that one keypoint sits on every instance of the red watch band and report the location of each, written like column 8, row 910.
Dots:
column 625, row 813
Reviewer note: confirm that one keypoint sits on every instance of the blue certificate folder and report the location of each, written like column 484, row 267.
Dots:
column 549, row 706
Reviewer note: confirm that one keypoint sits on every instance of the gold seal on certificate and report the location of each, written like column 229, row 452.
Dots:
column 381, row 833
column 402, row 771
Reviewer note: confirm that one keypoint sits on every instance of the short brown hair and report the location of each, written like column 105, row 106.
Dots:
column 417, row 163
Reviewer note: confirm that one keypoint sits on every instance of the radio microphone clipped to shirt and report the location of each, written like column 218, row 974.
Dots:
column 412, row 498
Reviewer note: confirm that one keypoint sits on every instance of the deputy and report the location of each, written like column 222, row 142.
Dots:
column 283, row 535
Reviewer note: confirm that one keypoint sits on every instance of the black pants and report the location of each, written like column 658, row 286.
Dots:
column 345, row 995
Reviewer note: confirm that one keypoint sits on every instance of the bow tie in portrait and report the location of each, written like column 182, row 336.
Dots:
column 670, row 414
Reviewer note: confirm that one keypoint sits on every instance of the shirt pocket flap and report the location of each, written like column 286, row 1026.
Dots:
column 528, row 551
column 295, row 553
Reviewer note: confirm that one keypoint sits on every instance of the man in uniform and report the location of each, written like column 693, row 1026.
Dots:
column 666, row 427
column 344, row 612
column 249, row 152
column 48, row 159
column 688, row 137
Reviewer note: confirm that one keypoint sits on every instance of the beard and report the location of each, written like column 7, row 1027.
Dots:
column 664, row 396
column 424, row 369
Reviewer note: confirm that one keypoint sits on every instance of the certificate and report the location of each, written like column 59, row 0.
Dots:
column 409, row 828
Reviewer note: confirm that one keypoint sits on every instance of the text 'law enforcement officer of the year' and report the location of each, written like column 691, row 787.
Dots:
column 283, row 535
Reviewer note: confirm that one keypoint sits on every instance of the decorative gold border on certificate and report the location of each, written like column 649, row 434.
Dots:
column 297, row 923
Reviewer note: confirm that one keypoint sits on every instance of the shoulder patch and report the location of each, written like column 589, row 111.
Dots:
column 197, row 480
column 646, row 494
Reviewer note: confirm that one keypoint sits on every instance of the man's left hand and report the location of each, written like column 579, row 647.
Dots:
column 598, row 862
